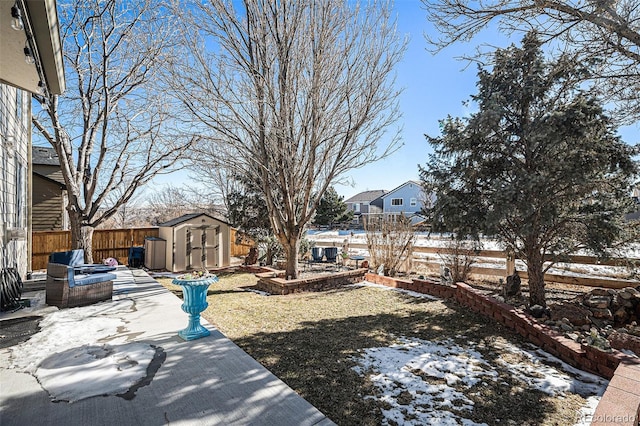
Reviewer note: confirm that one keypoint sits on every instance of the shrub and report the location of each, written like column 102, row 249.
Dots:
column 390, row 242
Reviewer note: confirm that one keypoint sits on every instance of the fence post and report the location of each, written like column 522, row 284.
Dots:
column 511, row 262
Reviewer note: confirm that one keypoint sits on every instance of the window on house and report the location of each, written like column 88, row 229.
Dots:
column 397, row 202
column 20, row 193
column 414, row 202
column 356, row 207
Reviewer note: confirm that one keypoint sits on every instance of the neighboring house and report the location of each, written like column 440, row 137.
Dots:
column 28, row 30
column 636, row 198
column 49, row 192
column 407, row 199
column 361, row 204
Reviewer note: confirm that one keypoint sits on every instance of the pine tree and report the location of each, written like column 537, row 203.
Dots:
column 332, row 209
column 539, row 166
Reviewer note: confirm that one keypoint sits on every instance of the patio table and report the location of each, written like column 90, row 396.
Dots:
column 357, row 259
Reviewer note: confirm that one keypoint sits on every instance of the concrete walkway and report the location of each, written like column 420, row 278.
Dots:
column 209, row 381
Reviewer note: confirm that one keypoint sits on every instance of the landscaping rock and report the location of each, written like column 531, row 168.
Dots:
column 538, row 311
column 602, row 313
column 512, row 288
column 598, row 302
column 625, row 295
column 625, row 341
column 565, row 327
column 621, row 316
column 574, row 314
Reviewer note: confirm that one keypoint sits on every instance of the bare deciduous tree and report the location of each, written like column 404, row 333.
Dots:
column 295, row 94
column 113, row 127
column 171, row 201
column 604, row 33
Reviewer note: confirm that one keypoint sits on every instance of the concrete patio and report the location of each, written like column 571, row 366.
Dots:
column 208, row 381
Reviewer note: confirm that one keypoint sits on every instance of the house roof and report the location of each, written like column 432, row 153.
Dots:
column 44, row 156
column 41, row 34
column 366, row 196
column 61, row 184
column 418, row 184
column 187, row 217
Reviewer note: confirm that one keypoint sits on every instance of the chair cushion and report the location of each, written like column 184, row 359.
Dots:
column 88, row 279
column 71, row 257
column 93, row 269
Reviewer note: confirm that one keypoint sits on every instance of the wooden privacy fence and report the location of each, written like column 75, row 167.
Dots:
column 593, row 281
column 111, row 243
column 240, row 244
column 106, row 243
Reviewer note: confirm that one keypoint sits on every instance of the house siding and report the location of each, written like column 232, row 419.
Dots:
column 48, row 205
column 406, row 192
column 15, row 116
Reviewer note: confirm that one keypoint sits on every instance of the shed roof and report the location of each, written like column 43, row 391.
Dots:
column 187, row 217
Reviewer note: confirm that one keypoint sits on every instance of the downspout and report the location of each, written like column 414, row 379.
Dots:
column 29, row 196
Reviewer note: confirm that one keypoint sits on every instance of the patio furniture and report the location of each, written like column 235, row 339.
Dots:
column 67, row 286
column 331, row 253
column 11, row 289
column 136, row 257
column 317, row 253
column 70, row 257
column 357, row 259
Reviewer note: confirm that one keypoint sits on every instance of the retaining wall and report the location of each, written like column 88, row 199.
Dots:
column 273, row 282
column 619, row 405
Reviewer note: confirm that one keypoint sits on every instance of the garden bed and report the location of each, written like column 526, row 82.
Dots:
column 274, row 282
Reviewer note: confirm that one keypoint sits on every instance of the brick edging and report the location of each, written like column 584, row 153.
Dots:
column 273, row 282
column 584, row 357
column 620, row 402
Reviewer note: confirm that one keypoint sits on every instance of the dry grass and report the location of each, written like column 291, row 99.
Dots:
column 308, row 340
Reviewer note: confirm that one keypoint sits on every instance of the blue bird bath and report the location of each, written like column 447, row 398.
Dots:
column 194, row 302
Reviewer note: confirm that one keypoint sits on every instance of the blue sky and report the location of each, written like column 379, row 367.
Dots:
column 434, row 86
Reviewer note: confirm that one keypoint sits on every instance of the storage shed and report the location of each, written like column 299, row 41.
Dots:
column 196, row 241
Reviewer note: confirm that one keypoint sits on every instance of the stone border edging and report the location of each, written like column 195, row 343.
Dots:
column 620, row 403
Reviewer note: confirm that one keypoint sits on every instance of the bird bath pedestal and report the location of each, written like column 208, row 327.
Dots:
column 195, row 301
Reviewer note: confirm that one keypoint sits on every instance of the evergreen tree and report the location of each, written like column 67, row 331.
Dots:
column 332, row 209
column 539, row 166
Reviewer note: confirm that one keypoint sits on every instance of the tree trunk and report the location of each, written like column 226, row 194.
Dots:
column 81, row 236
column 291, row 248
column 535, row 265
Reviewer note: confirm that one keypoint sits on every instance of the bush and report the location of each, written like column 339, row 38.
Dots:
column 459, row 258
column 390, row 242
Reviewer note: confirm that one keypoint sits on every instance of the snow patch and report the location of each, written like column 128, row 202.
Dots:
column 70, row 363
column 429, row 383
column 88, row 371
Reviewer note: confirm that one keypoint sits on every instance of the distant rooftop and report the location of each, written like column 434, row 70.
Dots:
column 45, row 156
column 366, row 196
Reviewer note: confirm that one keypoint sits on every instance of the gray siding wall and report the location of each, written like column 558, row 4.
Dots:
column 15, row 137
